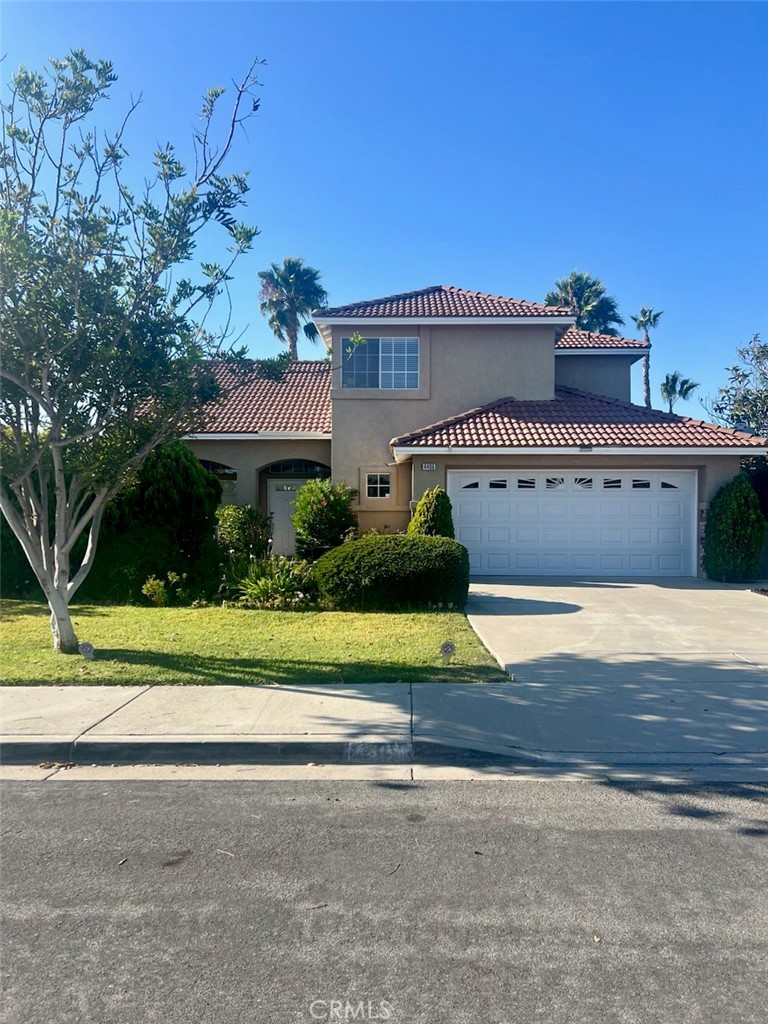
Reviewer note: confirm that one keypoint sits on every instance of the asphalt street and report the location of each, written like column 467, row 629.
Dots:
column 440, row 902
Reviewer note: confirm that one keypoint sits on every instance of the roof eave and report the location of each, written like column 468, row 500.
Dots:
column 260, row 435
column 636, row 353
column 404, row 452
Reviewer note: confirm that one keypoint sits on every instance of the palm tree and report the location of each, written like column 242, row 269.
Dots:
column 287, row 297
column 586, row 296
column 646, row 320
column 675, row 386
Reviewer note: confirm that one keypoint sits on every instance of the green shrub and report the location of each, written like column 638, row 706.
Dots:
column 242, row 534
column 171, row 590
column 243, row 531
column 733, row 536
column 394, row 571
column 163, row 522
column 172, row 490
column 323, row 517
column 155, row 591
column 433, row 517
column 278, row 583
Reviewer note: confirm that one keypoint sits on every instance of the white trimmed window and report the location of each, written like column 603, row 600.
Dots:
column 378, row 485
column 384, row 364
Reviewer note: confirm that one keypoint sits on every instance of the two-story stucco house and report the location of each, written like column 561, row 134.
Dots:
column 525, row 420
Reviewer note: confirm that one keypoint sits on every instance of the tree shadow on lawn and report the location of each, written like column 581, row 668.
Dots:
column 211, row 670
column 14, row 608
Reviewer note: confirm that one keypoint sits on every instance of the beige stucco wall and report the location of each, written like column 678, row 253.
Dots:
column 249, row 457
column 602, row 375
column 461, row 368
column 712, row 472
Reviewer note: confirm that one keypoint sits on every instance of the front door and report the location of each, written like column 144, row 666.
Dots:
column 282, row 495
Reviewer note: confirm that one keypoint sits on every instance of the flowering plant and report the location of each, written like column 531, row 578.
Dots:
column 323, row 517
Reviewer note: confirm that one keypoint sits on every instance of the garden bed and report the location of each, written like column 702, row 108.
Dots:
column 210, row 646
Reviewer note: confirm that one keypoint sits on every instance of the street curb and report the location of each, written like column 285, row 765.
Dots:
column 87, row 751
column 30, row 752
column 399, row 751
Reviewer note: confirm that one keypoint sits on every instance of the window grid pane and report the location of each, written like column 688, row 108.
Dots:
column 360, row 364
column 399, row 364
column 378, row 485
column 381, row 363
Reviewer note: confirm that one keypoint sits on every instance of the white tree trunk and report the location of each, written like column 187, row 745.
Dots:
column 62, row 630
column 55, row 584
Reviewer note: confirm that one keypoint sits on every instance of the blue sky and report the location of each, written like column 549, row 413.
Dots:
column 490, row 146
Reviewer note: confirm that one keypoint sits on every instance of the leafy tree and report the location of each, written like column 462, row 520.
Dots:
column 104, row 351
column 588, row 300
column 743, row 401
column 323, row 516
column 675, row 386
column 433, row 515
column 733, row 535
column 288, row 295
column 647, row 320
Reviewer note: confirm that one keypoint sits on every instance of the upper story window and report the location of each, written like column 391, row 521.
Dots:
column 382, row 363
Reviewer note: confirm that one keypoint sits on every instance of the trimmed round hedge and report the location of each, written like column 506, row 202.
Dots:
column 387, row 572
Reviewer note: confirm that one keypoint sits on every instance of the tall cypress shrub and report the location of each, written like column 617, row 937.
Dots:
column 433, row 516
column 733, row 536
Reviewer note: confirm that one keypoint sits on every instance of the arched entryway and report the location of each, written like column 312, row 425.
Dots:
column 280, row 481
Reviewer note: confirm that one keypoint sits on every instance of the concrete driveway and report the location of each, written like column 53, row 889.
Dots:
column 658, row 669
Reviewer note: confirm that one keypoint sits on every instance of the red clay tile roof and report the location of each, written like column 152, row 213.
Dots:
column 442, row 300
column 573, row 418
column 300, row 402
column 574, row 338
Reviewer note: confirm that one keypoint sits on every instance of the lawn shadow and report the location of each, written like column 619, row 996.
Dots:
column 14, row 608
column 205, row 669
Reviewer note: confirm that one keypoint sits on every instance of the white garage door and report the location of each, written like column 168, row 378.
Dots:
column 568, row 523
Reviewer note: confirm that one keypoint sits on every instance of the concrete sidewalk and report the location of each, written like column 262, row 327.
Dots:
column 395, row 723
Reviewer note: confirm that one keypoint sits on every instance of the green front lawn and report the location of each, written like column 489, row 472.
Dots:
column 138, row 646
